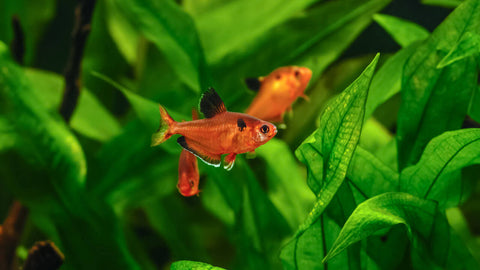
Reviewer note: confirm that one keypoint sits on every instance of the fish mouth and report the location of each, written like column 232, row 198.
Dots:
column 274, row 130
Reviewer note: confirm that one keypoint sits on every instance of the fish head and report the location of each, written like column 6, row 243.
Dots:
column 291, row 79
column 188, row 187
column 263, row 131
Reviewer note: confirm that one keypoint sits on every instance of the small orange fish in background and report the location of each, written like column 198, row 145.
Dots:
column 221, row 132
column 188, row 176
column 277, row 92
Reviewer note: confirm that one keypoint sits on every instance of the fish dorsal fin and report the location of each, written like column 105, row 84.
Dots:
column 254, row 83
column 195, row 114
column 211, row 104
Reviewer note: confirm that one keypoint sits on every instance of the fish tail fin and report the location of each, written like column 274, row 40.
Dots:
column 164, row 131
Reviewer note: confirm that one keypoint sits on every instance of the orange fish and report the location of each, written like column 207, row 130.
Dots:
column 188, row 176
column 277, row 92
column 221, row 132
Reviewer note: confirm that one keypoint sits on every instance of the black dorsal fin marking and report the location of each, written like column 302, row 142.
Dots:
column 210, row 159
column 241, row 124
column 253, row 83
column 211, row 104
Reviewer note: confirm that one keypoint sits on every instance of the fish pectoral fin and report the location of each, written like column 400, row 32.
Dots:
column 211, row 104
column 305, row 97
column 253, row 83
column 251, row 154
column 229, row 161
column 200, row 152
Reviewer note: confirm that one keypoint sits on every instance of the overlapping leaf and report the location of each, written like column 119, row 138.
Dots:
column 436, row 100
column 403, row 32
column 334, row 144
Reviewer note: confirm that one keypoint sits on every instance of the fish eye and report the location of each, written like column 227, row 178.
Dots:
column 264, row 129
column 190, row 181
column 297, row 73
column 278, row 77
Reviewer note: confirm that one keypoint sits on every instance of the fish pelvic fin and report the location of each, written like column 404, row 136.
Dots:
column 199, row 151
column 211, row 104
column 229, row 161
column 195, row 114
column 164, row 130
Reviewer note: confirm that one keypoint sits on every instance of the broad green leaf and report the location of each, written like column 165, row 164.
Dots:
column 189, row 265
column 369, row 175
column 259, row 227
column 174, row 33
column 287, row 188
column 333, row 143
column 474, row 109
column 426, row 228
column 243, row 22
column 443, row 3
column 43, row 139
column 387, row 81
column 437, row 175
column 52, row 185
column 374, row 135
column 147, row 111
column 90, row 118
column 436, row 100
column 468, row 45
column 336, row 25
column 125, row 35
column 7, row 135
column 402, row 31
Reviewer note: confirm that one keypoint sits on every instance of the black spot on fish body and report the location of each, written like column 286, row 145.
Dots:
column 241, row 124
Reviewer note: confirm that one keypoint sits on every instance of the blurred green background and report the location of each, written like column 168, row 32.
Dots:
column 109, row 201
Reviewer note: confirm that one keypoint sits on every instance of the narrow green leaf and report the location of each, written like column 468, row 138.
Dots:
column 436, row 100
column 468, row 45
column 90, row 118
column 474, row 109
column 443, row 3
column 402, row 31
column 387, row 81
column 333, row 143
column 189, row 265
column 243, row 22
column 166, row 25
column 437, row 175
column 287, row 188
column 385, row 211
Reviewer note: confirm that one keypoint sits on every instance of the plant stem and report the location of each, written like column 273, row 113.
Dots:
column 81, row 29
column 17, row 46
column 10, row 234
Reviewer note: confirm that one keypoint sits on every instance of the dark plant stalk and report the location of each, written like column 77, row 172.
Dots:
column 17, row 46
column 81, row 29
column 10, row 233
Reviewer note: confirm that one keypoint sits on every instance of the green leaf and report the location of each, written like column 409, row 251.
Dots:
column 189, row 265
column 433, row 242
column 468, row 45
column 436, row 100
column 166, row 25
column 329, row 151
column 437, row 175
column 43, row 139
column 90, row 117
column 474, row 109
column 387, row 81
column 443, row 3
column 243, row 22
column 402, row 31
column 286, row 185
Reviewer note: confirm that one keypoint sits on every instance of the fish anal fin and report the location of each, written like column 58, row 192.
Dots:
column 305, row 97
column 253, row 84
column 211, row 104
column 197, row 150
column 229, row 161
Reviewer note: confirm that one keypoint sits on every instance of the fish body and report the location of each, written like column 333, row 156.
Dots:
column 188, row 176
column 277, row 92
column 221, row 132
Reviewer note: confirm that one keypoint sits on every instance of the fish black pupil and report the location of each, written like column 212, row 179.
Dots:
column 297, row 73
column 278, row 77
column 264, row 129
column 241, row 124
